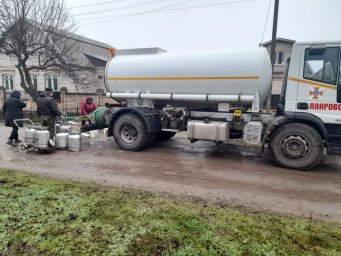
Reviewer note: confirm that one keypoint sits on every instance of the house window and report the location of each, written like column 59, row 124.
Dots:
column 321, row 64
column 34, row 79
column 279, row 58
column 7, row 81
column 51, row 81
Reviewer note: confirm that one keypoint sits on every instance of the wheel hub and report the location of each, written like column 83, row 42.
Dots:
column 295, row 146
column 128, row 133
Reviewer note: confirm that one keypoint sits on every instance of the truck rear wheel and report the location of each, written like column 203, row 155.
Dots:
column 130, row 133
column 296, row 146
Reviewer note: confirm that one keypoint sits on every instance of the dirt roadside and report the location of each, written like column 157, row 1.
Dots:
column 220, row 175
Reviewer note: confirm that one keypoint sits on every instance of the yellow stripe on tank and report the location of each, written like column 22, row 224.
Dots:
column 185, row 78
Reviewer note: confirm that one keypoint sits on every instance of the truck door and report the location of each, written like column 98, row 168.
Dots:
column 318, row 89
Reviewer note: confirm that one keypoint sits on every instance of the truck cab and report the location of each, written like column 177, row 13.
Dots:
column 313, row 89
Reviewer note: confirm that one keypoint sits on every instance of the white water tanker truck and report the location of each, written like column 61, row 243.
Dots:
column 218, row 95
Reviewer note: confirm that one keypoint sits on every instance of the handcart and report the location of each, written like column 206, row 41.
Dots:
column 30, row 140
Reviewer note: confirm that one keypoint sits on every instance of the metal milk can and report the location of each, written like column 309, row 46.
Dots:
column 29, row 134
column 64, row 128
column 61, row 140
column 41, row 137
column 74, row 141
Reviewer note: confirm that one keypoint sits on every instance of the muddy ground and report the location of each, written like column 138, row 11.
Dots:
column 226, row 175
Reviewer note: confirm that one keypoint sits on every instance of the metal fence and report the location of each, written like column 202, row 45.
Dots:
column 33, row 115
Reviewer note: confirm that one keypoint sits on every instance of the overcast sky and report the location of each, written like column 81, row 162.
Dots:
column 236, row 24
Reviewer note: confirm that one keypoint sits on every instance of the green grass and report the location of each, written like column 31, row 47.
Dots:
column 41, row 216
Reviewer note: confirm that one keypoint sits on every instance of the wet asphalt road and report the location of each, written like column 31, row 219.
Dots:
column 228, row 176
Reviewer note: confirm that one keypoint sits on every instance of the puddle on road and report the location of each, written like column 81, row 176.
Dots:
column 170, row 173
column 209, row 150
column 14, row 154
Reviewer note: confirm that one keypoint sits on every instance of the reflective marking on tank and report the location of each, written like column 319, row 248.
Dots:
column 312, row 83
column 187, row 78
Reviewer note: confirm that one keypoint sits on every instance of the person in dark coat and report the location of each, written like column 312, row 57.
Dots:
column 13, row 110
column 48, row 111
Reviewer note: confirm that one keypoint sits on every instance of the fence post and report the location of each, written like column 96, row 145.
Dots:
column 63, row 98
column 2, row 98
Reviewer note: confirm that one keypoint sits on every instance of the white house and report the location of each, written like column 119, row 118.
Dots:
column 94, row 53
column 282, row 53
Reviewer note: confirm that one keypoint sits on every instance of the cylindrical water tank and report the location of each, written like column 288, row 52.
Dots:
column 41, row 137
column 199, row 74
column 74, row 141
column 61, row 140
column 29, row 134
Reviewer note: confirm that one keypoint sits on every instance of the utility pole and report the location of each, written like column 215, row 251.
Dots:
column 272, row 52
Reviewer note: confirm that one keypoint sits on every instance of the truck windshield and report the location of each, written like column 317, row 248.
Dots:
column 322, row 67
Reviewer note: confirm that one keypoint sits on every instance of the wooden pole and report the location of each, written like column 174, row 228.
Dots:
column 272, row 52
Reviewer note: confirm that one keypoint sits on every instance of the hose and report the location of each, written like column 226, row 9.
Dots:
column 98, row 115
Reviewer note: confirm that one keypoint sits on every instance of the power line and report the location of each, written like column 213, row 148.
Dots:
column 87, row 5
column 158, row 9
column 122, row 7
column 123, row 16
column 140, row 13
column 129, row 14
column 266, row 21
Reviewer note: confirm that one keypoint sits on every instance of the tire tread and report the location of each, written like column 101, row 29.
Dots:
column 303, row 164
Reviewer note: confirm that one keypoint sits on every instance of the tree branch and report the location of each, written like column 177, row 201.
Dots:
column 38, row 34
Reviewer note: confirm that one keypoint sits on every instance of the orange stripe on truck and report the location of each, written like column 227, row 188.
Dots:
column 312, row 83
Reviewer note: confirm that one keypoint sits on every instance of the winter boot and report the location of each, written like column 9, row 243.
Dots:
column 10, row 142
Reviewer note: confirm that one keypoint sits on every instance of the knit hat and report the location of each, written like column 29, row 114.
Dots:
column 48, row 89
column 16, row 94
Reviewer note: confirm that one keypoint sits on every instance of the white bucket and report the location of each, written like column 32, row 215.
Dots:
column 94, row 134
column 85, row 138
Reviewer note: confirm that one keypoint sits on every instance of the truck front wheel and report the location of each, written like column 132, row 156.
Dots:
column 130, row 132
column 296, row 146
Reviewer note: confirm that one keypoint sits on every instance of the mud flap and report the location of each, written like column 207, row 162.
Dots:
column 276, row 122
column 149, row 116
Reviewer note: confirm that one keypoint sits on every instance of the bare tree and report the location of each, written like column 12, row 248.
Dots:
column 38, row 35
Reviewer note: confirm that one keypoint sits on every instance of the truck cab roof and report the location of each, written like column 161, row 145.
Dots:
column 318, row 42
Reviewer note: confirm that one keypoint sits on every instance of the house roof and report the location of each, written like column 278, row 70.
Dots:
column 87, row 48
column 94, row 51
column 95, row 60
column 319, row 42
column 89, row 41
column 279, row 39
